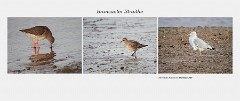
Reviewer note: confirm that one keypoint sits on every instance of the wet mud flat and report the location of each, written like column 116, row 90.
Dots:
column 46, row 63
column 175, row 54
column 104, row 54
column 41, row 68
column 64, row 57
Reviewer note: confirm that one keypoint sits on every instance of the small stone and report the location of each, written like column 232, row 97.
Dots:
column 172, row 46
column 54, row 66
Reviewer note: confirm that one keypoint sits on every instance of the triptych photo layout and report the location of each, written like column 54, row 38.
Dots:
column 120, row 45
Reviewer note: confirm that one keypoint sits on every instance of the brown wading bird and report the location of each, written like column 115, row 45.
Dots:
column 132, row 45
column 38, row 33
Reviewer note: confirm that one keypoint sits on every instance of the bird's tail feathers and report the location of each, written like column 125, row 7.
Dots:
column 211, row 48
column 142, row 46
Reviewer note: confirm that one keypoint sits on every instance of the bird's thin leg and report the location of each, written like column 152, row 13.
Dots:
column 133, row 53
column 35, row 44
column 34, row 50
column 135, row 57
column 38, row 50
column 51, row 49
column 38, row 44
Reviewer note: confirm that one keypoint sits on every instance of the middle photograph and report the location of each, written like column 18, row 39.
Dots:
column 119, row 45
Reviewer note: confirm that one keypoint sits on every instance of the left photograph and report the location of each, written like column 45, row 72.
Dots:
column 44, row 45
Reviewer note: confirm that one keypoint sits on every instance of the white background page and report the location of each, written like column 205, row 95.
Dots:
column 120, row 87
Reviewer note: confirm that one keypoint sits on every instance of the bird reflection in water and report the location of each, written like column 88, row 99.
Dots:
column 42, row 59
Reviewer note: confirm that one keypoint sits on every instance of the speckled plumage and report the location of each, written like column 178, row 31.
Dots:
column 132, row 45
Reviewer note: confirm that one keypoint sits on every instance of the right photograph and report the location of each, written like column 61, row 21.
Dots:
column 195, row 45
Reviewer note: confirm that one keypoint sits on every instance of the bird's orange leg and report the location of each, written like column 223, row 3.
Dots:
column 34, row 50
column 35, row 44
column 38, row 50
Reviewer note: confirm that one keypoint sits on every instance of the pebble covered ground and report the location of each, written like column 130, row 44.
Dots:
column 177, row 56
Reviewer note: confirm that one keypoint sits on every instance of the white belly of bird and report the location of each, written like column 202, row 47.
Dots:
column 34, row 37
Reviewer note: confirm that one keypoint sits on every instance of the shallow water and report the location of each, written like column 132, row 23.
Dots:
column 66, row 51
column 103, row 52
column 194, row 21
